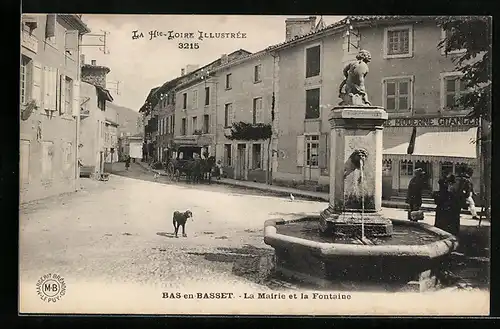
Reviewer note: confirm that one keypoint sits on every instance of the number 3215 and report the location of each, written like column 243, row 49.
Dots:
column 194, row 45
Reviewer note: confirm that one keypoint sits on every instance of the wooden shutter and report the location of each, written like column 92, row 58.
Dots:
column 259, row 114
column 50, row 28
column 62, row 94
column 76, row 98
column 72, row 40
column 36, row 86
column 55, row 90
column 323, row 151
column 300, row 150
column 46, row 88
column 232, row 114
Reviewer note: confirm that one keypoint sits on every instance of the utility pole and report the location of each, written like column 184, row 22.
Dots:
column 115, row 86
column 98, row 40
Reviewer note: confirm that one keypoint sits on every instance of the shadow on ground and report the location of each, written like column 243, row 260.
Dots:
column 166, row 234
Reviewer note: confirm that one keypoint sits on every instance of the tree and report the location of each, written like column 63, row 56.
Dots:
column 473, row 34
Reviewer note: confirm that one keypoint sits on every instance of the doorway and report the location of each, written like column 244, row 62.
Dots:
column 241, row 161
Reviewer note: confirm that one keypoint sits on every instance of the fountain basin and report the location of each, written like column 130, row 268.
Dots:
column 413, row 255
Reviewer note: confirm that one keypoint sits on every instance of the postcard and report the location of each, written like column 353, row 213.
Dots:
column 254, row 165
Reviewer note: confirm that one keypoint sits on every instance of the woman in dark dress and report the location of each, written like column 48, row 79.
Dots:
column 440, row 200
column 455, row 205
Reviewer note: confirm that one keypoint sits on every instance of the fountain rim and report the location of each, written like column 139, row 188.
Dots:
column 432, row 250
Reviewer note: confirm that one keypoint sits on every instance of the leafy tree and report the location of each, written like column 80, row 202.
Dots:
column 473, row 34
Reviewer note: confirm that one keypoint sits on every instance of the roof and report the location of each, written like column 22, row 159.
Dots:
column 448, row 144
column 341, row 24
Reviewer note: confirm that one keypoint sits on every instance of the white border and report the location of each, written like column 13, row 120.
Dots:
column 410, row 41
column 400, row 77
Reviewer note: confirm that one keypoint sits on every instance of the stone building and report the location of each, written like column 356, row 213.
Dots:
column 409, row 76
column 49, row 104
column 94, row 101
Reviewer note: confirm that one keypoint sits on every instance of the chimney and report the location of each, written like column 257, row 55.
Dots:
column 224, row 59
column 191, row 67
column 95, row 74
column 297, row 27
column 182, row 72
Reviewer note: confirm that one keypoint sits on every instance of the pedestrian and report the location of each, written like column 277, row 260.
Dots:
column 127, row 162
column 414, row 196
column 468, row 190
column 442, row 198
column 454, row 204
column 219, row 169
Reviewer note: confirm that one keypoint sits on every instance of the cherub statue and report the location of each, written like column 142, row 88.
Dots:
column 354, row 92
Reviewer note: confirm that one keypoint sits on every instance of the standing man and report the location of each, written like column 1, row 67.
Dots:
column 467, row 191
column 415, row 188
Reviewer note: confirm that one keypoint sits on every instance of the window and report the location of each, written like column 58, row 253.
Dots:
column 25, row 77
column 446, row 168
column 184, row 101
column 257, row 73
column 172, row 124
column 228, row 81
column 207, row 96
column 313, row 59
column 312, row 103
column 195, row 99
column 228, row 115
column 183, row 127
column 195, row 124
column 312, row 150
column 168, row 99
column 206, row 124
column 398, row 94
column 257, row 110
column 398, row 42
column 256, row 156
column 227, row 155
column 68, row 95
column 407, row 168
column 454, row 87
column 444, row 34
column 387, row 167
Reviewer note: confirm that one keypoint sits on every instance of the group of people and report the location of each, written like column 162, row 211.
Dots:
column 455, row 192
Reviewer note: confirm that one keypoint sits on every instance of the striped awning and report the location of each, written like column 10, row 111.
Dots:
column 448, row 145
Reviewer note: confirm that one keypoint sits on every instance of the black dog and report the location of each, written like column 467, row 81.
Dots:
column 180, row 219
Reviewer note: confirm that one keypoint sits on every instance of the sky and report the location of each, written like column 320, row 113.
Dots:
column 144, row 63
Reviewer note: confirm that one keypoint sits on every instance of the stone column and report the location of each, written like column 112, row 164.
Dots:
column 355, row 195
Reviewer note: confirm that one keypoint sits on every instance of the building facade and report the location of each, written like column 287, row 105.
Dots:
column 196, row 108
column 94, row 101
column 49, row 104
column 244, row 94
column 409, row 76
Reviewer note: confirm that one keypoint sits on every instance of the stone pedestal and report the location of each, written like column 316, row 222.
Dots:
column 356, row 186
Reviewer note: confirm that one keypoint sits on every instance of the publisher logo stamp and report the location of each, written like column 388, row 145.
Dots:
column 51, row 287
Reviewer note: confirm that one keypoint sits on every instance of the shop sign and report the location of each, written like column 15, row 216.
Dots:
column 433, row 122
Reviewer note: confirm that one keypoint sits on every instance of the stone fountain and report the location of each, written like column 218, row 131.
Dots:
column 351, row 241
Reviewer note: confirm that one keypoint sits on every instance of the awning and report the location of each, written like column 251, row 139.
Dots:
column 452, row 145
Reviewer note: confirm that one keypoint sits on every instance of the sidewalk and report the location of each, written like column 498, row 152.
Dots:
column 311, row 195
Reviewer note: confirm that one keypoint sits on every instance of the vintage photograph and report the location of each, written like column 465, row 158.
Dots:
column 255, row 164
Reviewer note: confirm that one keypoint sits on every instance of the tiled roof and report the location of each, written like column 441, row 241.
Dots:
column 354, row 18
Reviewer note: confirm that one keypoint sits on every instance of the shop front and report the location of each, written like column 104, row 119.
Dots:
column 442, row 145
column 188, row 147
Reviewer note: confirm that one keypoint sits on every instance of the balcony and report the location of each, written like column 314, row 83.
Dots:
column 29, row 42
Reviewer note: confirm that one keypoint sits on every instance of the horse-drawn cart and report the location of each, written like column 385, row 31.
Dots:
column 194, row 170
